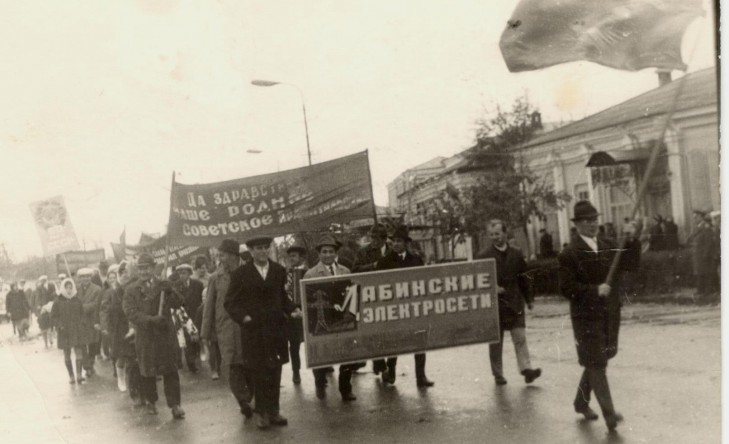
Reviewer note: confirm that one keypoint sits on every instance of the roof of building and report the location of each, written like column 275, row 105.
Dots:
column 700, row 90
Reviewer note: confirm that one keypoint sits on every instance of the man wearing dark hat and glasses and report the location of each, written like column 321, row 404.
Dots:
column 222, row 331
column 257, row 301
column 400, row 257
column 594, row 308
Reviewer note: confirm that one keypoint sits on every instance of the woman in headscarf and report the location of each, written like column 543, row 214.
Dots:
column 68, row 317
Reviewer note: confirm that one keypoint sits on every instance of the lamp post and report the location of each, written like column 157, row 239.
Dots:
column 267, row 83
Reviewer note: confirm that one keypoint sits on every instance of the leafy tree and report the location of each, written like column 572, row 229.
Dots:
column 505, row 187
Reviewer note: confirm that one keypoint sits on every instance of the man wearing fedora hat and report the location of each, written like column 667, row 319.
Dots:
column 222, row 332
column 328, row 266
column 400, row 257
column 296, row 255
column 594, row 308
column 257, row 301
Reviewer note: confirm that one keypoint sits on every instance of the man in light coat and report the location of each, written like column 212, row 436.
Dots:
column 328, row 266
column 221, row 331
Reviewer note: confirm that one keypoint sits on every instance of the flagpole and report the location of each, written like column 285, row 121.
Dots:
column 68, row 269
column 643, row 188
column 372, row 193
column 167, row 236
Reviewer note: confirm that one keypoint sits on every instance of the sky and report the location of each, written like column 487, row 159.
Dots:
column 104, row 100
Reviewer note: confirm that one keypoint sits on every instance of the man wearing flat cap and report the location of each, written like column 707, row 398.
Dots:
column 594, row 308
column 296, row 255
column 400, row 257
column 191, row 290
column 328, row 266
column 90, row 296
column 148, row 304
column 257, row 302
column 222, row 331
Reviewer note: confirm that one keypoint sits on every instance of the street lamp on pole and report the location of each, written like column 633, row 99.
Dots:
column 267, row 83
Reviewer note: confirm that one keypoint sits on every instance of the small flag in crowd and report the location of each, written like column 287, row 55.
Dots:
column 623, row 34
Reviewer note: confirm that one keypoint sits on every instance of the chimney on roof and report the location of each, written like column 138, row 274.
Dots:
column 537, row 120
column 664, row 76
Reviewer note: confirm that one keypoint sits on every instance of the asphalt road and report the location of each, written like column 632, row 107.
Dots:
column 666, row 381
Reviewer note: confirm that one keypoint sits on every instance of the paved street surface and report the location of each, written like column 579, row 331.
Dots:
column 665, row 380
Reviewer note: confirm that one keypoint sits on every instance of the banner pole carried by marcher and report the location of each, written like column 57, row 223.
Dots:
column 167, row 238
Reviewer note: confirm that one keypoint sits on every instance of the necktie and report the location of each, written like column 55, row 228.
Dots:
column 331, row 269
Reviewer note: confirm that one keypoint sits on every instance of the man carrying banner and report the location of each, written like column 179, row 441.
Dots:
column 327, row 266
column 297, row 268
column 191, row 290
column 220, row 329
column 513, row 292
column 90, row 296
column 594, row 308
column 366, row 260
column 257, row 301
column 400, row 257
column 148, row 304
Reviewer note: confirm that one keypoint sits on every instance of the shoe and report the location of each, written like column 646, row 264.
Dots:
column 215, row 376
column 321, row 392
column 500, row 380
column 613, row 420
column 587, row 412
column 530, row 375
column 151, row 409
column 72, row 381
column 425, row 382
column 261, row 420
column 245, row 410
column 80, row 379
column 297, row 378
column 278, row 420
column 177, row 412
column 348, row 397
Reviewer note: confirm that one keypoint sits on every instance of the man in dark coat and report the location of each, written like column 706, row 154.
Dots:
column 670, row 233
column 44, row 293
column 513, row 292
column 366, row 260
column 294, row 273
column 222, row 331
column 594, row 309
column 546, row 244
column 703, row 243
column 17, row 307
column 148, row 304
column 400, row 257
column 191, row 290
column 257, row 301
column 90, row 295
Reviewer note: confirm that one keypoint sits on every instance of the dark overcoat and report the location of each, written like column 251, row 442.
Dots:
column 17, row 305
column 115, row 323
column 217, row 325
column 595, row 319
column 264, row 339
column 366, row 258
column 392, row 260
column 511, row 276
column 703, row 253
column 91, row 299
column 158, row 351
column 67, row 315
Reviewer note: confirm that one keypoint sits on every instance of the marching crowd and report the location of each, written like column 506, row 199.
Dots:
column 247, row 316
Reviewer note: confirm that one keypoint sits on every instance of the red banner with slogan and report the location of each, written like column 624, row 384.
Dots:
column 356, row 317
column 178, row 254
column 303, row 199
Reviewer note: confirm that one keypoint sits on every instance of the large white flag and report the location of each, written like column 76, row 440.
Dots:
column 623, row 34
